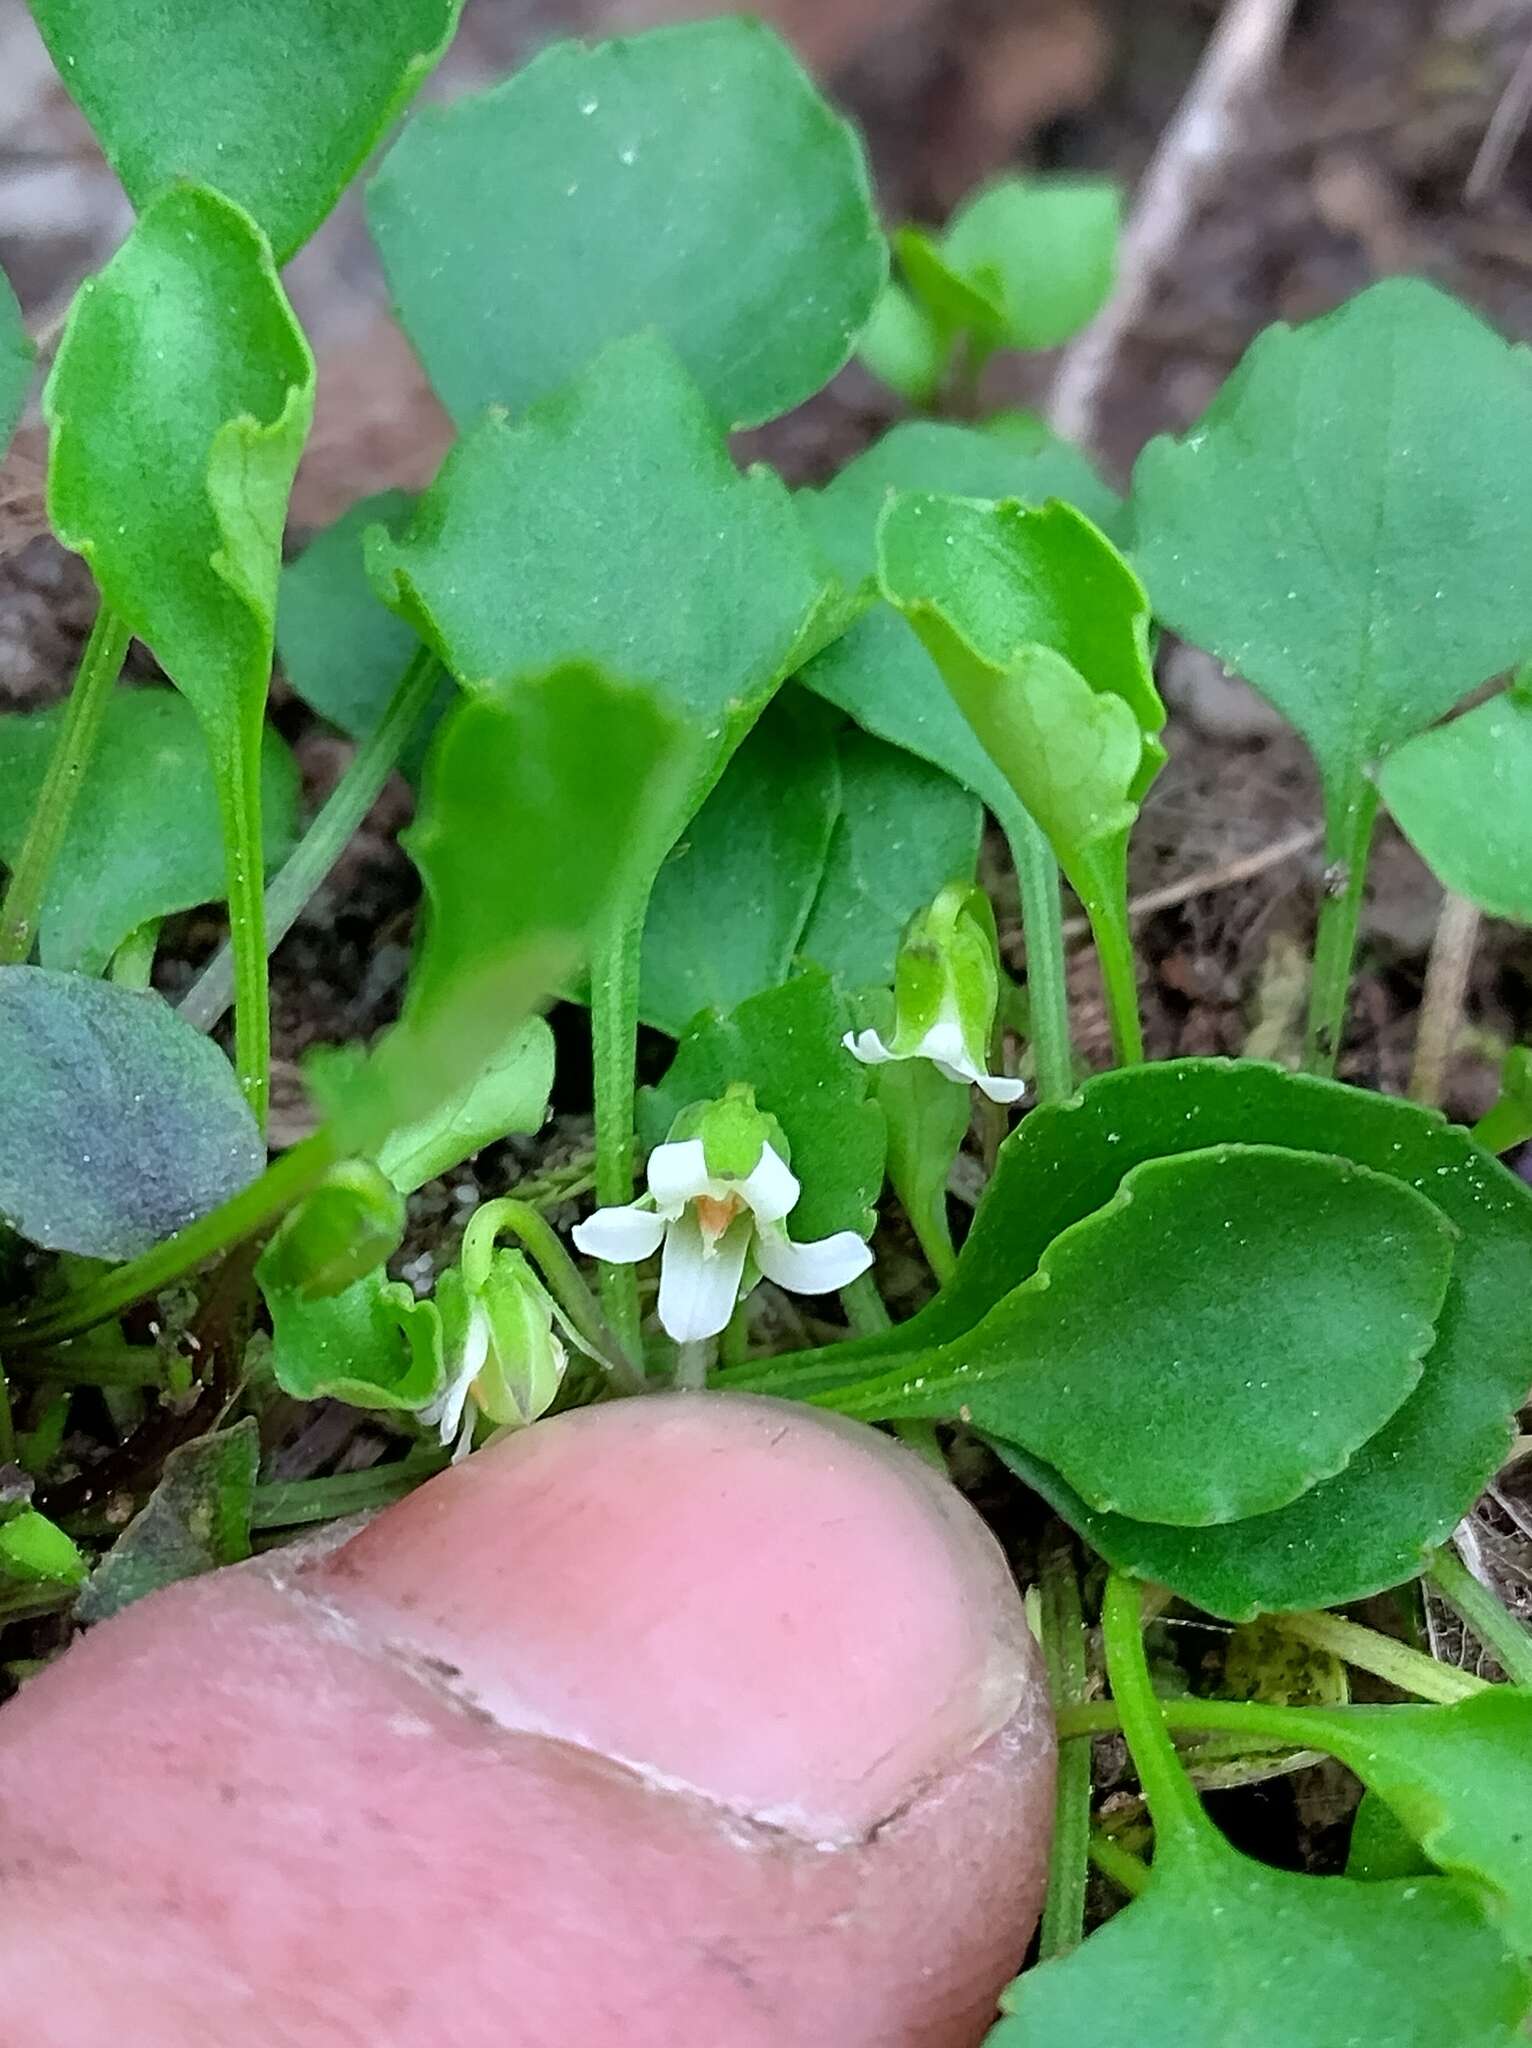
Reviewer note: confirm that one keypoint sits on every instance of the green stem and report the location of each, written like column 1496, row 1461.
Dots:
column 734, row 1344
column 282, row 1184
column 133, row 962
column 563, row 1280
column 1174, row 1807
column 614, row 1049
column 1504, row 1126
column 1409, row 1670
column 330, row 833
column 131, row 1365
column 1348, row 838
column 864, row 1306
column 1125, row 1869
column 1063, row 1634
column 1496, row 1629
column 239, row 805
column 1042, row 923
column 84, row 717
column 289, row 1504
column 1103, row 889
column 694, row 1361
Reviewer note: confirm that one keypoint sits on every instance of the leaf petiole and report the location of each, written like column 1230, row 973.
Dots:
column 1063, row 1637
column 80, row 729
column 1396, row 1663
column 614, row 986
column 1348, row 840
column 561, row 1276
column 1042, row 923
column 1496, row 1628
column 1179, row 1821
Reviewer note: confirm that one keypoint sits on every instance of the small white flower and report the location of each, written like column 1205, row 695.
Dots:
column 706, row 1225
column 507, row 1363
column 946, row 992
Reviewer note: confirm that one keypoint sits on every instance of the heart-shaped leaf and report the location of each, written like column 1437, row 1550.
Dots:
column 1347, row 526
column 1270, row 1314
column 182, row 362
column 339, row 645
column 373, row 1345
column 620, row 186
column 275, row 102
column 1462, row 795
column 16, row 357
column 196, row 1519
column 144, row 838
column 119, row 1124
column 509, row 1093
column 610, row 524
column 786, row 1043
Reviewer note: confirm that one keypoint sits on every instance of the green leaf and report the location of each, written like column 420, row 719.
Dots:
column 622, row 186
column 609, row 524
column 1508, row 1121
column 1460, row 794
column 878, row 672
column 526, row 838
column 1270, row 1313
column 196, row 1519
column 1044, row 251
column 927, row 1119
column 36, row 1552
column 339, row 645
column 119, row 1124
column 1207, row 1957
column 509, row 1093
column 16, row 358
column 904, row 831
column 955, row 304
column 1381, row 1846
column 730, row 904
column 353, row 1221
column 275, row 102
column 373, row 1345
column 144, row 838
column 786, row 1043
column 1348, row 527
column 903, row 347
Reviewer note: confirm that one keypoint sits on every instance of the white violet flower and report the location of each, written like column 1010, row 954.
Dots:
column 946, row 992
column 720, row 1191
column 505, row 1361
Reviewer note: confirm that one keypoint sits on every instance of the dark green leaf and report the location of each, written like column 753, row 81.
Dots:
column 144, row 838
column 689, row 180
column 1462, row 795
column 730, row 904
column 340, row 646
column 16, row 357
column 1221, row 1949
column 609, row 524
column 1045, row 250
column 275, row 102
column 119, row 1124
column 1348, row 527
column 1269, row 1314
column 373, row 1345
column 786, row 1043
column 196, row 1519
column 904, row 831
column 509, row 1093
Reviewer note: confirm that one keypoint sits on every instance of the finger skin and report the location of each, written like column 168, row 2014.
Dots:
column 691, row 1722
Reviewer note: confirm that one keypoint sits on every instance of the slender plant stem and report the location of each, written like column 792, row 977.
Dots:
column 1496, row 1629
column 1119, row 979
column 1410, row 1670
column 1348, row 840
column 564, row 1282
column 694, row 1361
column 1441, row 1002
column 1127, row 1871
column 1042, row 923
column 133, row 1365
column 330, row 833
column 284, row 1182
column 614, row 1048
column 1063, row 1632
column 734, row 1344
column 289, row 1504
column 864, row 1306
column 921, row 1438
column 239, row 804
column 84, row 717
column 1172, row 1798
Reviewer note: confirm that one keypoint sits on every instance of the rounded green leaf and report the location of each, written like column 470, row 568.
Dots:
column 1349, row 525
column 373, row 1344
column 1047, row 250
column 275, row 102
column 16, row 356
column 1462, row 796
column 690, row 180
column 509, row 1093
column 144, row 840
column 902, row 347
column 119, row 1124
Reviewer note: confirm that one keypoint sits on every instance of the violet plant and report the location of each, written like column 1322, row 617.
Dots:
column 715, row 757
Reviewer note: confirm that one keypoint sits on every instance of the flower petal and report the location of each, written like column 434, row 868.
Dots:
column 699, row 1284
column 771, row 1188
column 867, row 1047
column 819, row 1268
column 620, row 1236
column 678, row 1174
